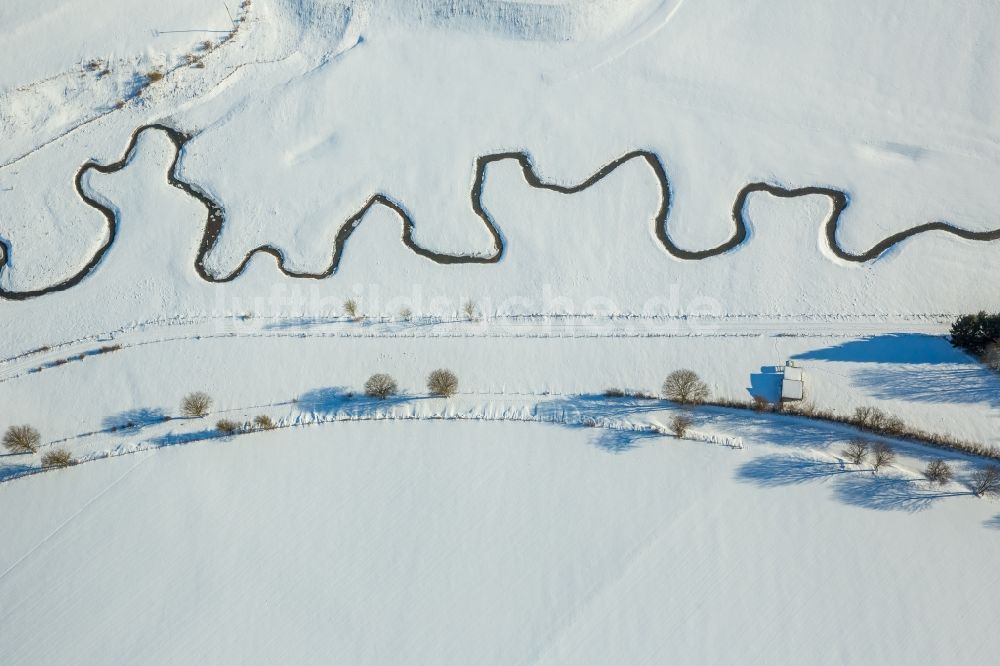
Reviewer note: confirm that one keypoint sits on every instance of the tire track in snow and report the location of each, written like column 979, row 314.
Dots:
column 215, row 220
column 63, row 525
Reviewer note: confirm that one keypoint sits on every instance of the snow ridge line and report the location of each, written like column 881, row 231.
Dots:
column 216, row 217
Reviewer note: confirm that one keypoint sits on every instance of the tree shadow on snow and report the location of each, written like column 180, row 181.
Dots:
column 916, row 348
column 619, row 441
column 134, row 419
column 993, row 523
column 967, row 383
column 175, row 438
column 573, row 409
column 8, row 472
column 337, row 399
column 777, row 470
column 781, row 429
column 853, row 486
column 887, row 494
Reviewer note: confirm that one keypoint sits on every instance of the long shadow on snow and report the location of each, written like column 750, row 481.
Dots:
column 576, row 408
column 780, row 429
column 887, row 494
column 337, row 399
column 602, row 414
column 134, row 419
column 856, row 487
column 916, row 348
column 778, row 470
column 619, row 441
column 13, row 471
column 175, row 438
column 964, row 384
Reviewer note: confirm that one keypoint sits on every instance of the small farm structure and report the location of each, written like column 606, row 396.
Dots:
column 793, row 383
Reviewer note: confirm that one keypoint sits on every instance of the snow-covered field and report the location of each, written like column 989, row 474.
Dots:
column 478, row 543
column 189, row 191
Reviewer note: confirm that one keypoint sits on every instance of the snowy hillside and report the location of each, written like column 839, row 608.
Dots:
column 562, row 202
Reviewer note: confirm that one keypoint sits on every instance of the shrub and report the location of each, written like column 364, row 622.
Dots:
column 986, row 481
column 856, row 451
column 938, row 471
column 381, row 386
column 57, row 458
column 263, row 422
column 470, row 311
column 876, row 420
column 614, row 393
column 196, row 405
column 685, row 387
column 352, row 310
column 443, row 383
column 974, row 333
column 882, row 455
column 22, row 439
column 761, row 404
column 680, row 424
column 154, row 76
column 406, row 314
column 227, row 427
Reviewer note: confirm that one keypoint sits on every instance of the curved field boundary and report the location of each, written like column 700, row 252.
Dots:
column 215, row 219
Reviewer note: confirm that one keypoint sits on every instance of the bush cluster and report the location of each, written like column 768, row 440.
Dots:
column 57, row 458
column 874, row 419
column 680, row 424
column 227, row 427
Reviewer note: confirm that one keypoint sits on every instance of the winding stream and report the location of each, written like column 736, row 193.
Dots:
column 215, row 219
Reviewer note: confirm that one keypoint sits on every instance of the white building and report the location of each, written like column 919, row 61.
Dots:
column 793, row 383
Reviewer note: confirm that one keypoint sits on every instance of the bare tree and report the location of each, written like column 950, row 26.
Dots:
column 405, row 314
column 685, row 387
column 443, row 383
column 381, row 386
column 986, row 481
column 680, row 425
column 470, row 310
column 22, row 439
column 60, row 457
column 938, row 472
column 882, row 455
column 196, row 405
column 352, row 310
column 856, row 451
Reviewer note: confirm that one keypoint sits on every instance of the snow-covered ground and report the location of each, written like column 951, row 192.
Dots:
column 459, row 543
column 189, row 191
